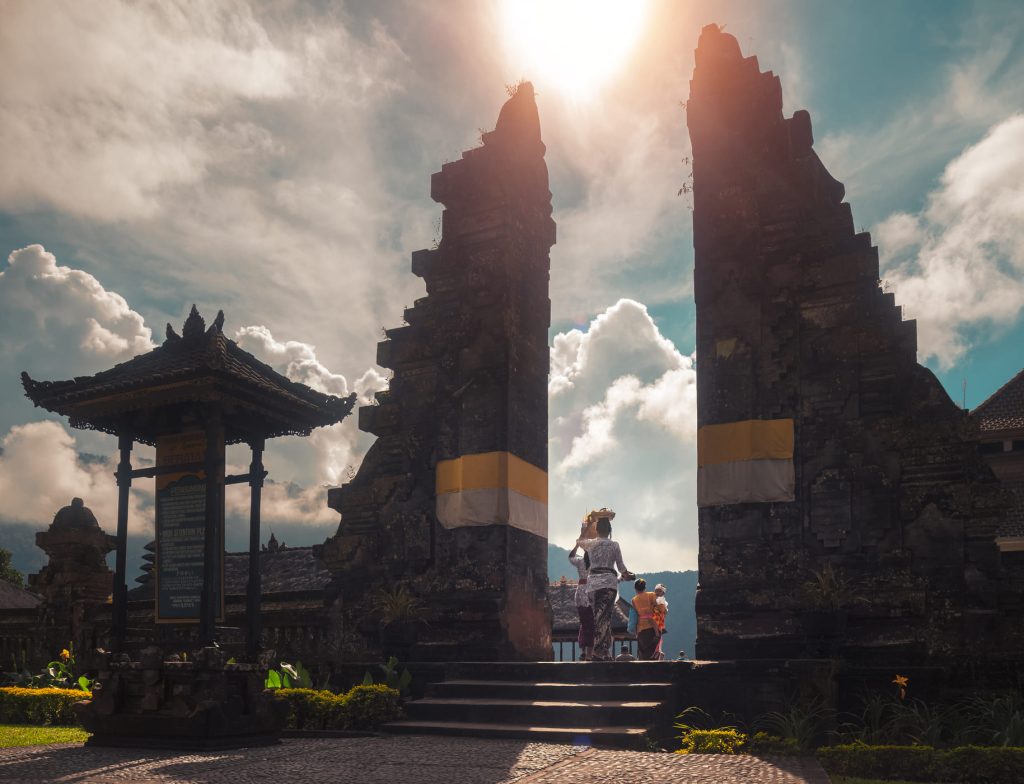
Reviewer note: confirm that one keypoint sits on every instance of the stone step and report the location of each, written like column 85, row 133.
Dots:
column 540, row 690
column 566, row 672
column 617, row 737
column 554, row 713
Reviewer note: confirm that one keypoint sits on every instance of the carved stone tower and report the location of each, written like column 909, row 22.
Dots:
column 451, row 500
column 844, row 507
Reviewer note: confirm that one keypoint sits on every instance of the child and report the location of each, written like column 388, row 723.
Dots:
column 660, row 613
column 648, row 636
column 585, row 639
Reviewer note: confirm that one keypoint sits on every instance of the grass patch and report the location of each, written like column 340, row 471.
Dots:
column 27, row 735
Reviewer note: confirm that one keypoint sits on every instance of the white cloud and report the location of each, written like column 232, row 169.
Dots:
column 284, row 503
column 240, row 142
column 885, row 161
column 59, row 322
column 338, row 449
column 295, row 359
column 110, row 103
column 68, row 308
column 959, row 264
column 622, row 434
column 40, row 472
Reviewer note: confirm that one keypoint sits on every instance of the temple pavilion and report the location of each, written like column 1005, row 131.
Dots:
column 190, row 397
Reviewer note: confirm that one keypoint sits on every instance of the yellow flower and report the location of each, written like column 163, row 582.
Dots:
column 901, row 680
column 65, row 654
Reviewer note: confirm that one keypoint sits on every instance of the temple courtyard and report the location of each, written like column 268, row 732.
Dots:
column 398, row 760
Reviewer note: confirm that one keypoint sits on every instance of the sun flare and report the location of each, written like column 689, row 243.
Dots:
column 573, row 45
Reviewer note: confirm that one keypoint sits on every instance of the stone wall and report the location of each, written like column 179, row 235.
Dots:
column 470, row 379
column 792, row 323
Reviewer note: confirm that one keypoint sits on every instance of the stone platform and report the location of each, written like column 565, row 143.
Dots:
column 203, row 704
column 396, row 760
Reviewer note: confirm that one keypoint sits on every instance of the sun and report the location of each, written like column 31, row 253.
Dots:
column 574, row 46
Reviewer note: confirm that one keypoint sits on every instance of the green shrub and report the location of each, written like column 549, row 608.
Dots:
column 967, row 764
column 371, row 706
column 984, row 765
column 38, row 706
column 763, row 743
column 913, row 763
column 361, row 708
column 309, row 709
column 720, row 741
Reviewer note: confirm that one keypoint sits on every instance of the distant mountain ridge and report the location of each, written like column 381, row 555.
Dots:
column 680, row 590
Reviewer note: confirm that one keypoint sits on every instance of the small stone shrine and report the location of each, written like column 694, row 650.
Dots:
column 451, row 500
column 76, row 578
column 189, row 398
column 845, row 509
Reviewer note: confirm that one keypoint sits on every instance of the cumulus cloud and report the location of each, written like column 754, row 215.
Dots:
column 59, row 322
column 67, row 307
column 958, row 265
column 338, row 449
column 283, row 503
column 622, row 434
column 238, row 141
column 41, row 471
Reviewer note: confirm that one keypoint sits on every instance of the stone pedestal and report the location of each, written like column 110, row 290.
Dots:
column 201, row 704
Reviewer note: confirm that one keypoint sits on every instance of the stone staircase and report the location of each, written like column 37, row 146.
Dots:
column 617, row 704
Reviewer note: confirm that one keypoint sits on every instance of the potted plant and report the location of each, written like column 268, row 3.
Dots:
column 399, row 615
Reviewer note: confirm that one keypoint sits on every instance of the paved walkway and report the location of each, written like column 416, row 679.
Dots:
column 396, row 760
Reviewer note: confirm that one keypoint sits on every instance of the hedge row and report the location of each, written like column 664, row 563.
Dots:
column 361, row 708
column 968, row 764
column 39, row 706
column 728, row 740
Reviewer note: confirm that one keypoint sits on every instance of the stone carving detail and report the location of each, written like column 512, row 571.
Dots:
column 470, row 376
column 792, row 324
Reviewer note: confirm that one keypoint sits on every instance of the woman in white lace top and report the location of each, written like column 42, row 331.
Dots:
column 605, row 558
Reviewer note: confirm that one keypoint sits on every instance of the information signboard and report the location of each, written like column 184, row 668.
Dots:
column 181, row 521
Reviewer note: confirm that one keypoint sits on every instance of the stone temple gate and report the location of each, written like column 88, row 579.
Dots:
column 845, row 508
column 452, row 497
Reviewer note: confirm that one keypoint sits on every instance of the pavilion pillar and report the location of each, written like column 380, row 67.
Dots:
column 213, row 464
column 255, row 588
column 119, row 620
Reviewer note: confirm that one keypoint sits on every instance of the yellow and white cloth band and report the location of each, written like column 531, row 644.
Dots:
column 745, row 462
column 492, row 488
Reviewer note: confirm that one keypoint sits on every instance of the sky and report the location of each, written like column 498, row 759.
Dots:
column 273, row 160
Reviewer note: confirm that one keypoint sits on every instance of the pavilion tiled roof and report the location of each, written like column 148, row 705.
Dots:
column 282, row 570
column 13, row 597
column 1004, row 408
column 181, row 370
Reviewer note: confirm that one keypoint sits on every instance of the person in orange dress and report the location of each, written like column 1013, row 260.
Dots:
column 647, row 633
